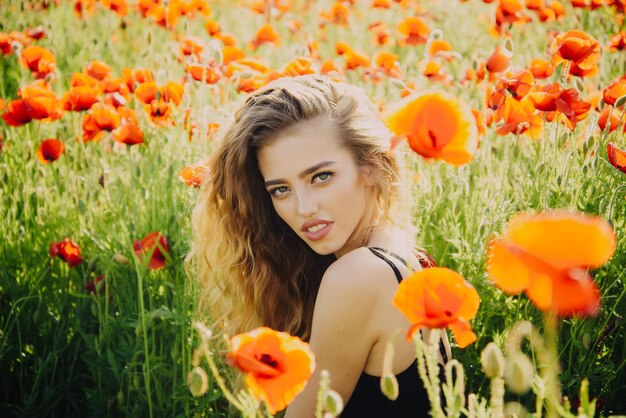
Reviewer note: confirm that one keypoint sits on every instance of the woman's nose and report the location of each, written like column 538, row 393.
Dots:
column 307, row 204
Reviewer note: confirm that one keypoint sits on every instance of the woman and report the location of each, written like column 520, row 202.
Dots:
column 304, row 227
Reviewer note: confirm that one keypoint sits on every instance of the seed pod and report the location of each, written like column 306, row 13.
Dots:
column 492, row 361
column 334, row 403
column 518, row 373
column 198, row 381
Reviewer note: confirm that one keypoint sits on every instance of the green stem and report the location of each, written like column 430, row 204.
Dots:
column 220, row 382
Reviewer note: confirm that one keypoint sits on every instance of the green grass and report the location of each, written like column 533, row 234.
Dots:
column 64, row 352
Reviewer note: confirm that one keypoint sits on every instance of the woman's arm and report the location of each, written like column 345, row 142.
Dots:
column 341, row 334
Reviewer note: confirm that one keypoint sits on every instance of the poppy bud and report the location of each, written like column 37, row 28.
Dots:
column 198, row 381
column 515, row 409
column 119, row 258
column 333, row 403
column 620, row 102
column 518, row 373
column 389, row 386
column 492, row 361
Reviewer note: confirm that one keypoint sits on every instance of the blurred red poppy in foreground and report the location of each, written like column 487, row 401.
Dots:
column 277, row 365
column 617, row 157
column 67, row 250
column 153, row 245
column 50, row 150
column 438, row 297
column 548, row 256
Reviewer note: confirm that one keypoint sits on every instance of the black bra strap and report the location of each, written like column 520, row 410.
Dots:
column 374, row 250
column 382, row 250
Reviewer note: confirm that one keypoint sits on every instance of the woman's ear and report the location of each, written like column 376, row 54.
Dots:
column 368, row 176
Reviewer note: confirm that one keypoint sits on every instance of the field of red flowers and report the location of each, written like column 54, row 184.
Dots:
column 511, row 113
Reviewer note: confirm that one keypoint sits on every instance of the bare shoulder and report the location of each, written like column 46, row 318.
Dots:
column 358, row 272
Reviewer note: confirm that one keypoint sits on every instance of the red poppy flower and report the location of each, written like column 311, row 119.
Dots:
column 50, row 150
column 580, row 49
column 266, row 34
column 98, row 70
column 617, row 157
column 153, row 245
column 412, row 31
column 615, row 90
column 80, row 98
column 277, row 365
column 38, row 60
column 67, row 250
column 548, row 256
column 438, row 298
column 96, row 286
column 192, row 175
column 128, row 133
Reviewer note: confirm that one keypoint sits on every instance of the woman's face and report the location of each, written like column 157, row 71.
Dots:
column 315, row 185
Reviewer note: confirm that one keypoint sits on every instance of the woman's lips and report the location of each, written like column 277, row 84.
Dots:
column 319, row 234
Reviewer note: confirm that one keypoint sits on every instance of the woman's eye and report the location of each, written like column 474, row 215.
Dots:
column 323, row 176
column 278, row 191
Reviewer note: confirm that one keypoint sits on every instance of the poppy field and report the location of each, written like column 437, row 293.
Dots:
column 511, row 115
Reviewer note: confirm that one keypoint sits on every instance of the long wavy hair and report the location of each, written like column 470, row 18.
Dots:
column 253, row 268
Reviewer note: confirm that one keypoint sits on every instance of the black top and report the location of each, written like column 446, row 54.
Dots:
column 367, row 400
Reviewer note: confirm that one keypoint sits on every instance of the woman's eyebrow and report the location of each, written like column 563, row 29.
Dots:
column 303, row 174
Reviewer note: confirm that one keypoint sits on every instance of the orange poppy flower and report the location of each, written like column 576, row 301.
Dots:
column 38, row 60
column 440, row 48
column 200, row 72
column 387, row 63
column 617, row 157
column 277, row 365
column 337, row 14
column 551, row 98
column 17, row 113
column 98, row 70
column 499, row 60
column 437, row 125
column 37, row 102
column 133, row 78
column 381, row 4
column 128, row 133
column 617, row 41
column 266, row 34
column 67, row 250
column 412, row 31
column 50, row 150
column 155, row 246
column 84, row 7
column 540, row 68
column 355, row 60
column 120, row 7
column 80, row 98
column 381, row 33
column 231, row 53
column 192, row 175
column 615, row 90
column 610, row 117
column 299, row 66
column 212, row 27
column 438, row 297
column 548, row 256
column 519, row 117
column 191, row 46
column 330, row 67
column 82, row 79
column 580, row 49
column 105, row 116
